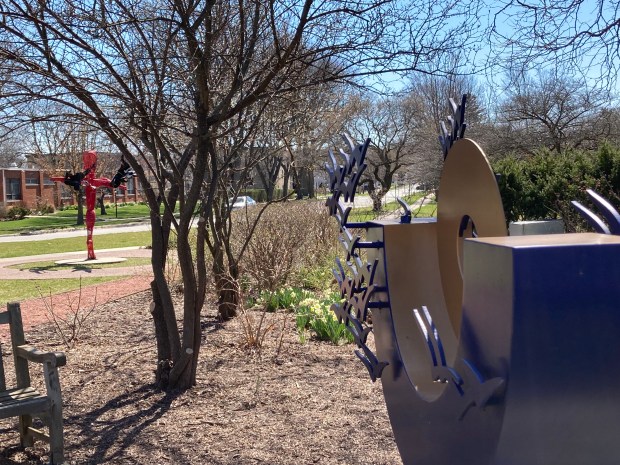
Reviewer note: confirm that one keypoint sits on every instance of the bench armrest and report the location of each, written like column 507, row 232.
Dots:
column 55, row 359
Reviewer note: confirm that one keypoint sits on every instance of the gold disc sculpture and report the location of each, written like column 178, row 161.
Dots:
column 470, row 333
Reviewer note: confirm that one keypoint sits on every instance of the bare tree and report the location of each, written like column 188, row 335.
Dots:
column 12, row 151
column 270, row 161
column 163, row 79
column 393, row 126
column 284, row 138
column 291, row 134
column 556, row 112
column 431, row 95
column 58, row 147
column 312, row 118
column 578, row 34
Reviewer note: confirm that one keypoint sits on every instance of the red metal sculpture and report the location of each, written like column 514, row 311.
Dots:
column 90, row 183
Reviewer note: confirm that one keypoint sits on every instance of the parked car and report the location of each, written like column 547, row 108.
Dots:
column 242, row 201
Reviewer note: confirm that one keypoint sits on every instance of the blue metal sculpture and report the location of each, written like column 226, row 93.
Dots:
column 491, row 350
column 456, row 126
column 358, row 290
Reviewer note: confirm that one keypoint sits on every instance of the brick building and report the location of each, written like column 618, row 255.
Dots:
column 31, row 187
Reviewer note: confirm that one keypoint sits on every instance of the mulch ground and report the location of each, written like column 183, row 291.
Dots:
column 282, row 403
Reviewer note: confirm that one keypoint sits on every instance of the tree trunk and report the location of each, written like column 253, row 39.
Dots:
column 80, row 209
column 164, row 355
column 269, row 191
column 169, row 351
column 310, row 181
column 297, row 187
column 287, row 174
column 102, row 204
column 377, row 198
column 227, row 288
column 182, row 375
column 376, row 203
column 229, row 295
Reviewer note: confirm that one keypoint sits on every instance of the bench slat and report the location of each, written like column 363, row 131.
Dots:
column 26, row 407
column 15, row 402
column 17, row 394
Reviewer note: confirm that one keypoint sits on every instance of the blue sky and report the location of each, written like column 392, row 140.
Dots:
column 492, row 56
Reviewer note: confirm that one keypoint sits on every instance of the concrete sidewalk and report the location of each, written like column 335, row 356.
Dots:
column 77, row 271
column 44, row 309
column 98, row 231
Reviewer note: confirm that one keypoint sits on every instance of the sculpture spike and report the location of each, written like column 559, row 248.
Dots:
column 607, row 210
column 359, row 290
column 592, row 219
column 457, row 126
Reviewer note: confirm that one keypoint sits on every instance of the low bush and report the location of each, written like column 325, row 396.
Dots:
column 43, row 207
column 17, row 213
column 286, row 298
column 315, row 315
column 316, row 276
column 290, row 237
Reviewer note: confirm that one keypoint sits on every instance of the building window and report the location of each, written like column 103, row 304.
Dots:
column 13, row 189
column 32, row 179
column 47, row 181
column 131, row 186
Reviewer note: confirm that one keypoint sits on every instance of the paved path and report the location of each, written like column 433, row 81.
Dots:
column 46, row 308
column 73, row 271
column 98, row 231
column 57, row 307
column 77, row 271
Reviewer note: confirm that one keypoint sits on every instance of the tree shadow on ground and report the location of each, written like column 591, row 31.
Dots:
column 14, row 454
column 211, row 324
column 106, row 436
column 44, row 269
column 10, row 451
column 98, row 436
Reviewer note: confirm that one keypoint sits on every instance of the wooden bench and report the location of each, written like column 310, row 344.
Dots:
column 23, row 400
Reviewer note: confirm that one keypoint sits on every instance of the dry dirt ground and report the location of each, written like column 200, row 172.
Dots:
column 289, row 403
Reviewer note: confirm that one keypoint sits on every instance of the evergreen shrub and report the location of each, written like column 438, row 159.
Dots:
column 542, row 186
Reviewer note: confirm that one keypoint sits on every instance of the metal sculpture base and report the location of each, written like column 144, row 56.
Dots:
column 530, row 378
column 497, row 351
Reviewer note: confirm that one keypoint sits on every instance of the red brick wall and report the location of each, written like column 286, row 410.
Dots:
column 37, row 189
column 31, row 192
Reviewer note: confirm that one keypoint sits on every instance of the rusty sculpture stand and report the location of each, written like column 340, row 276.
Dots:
column 491, row 350
column 90, row 183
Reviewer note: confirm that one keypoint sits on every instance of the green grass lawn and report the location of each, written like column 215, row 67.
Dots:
column 17, row 290
column 359, row 215
column 74, row 244
column 426, row 211
column 36, row 223
column 67, row 219
column 122, row 212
